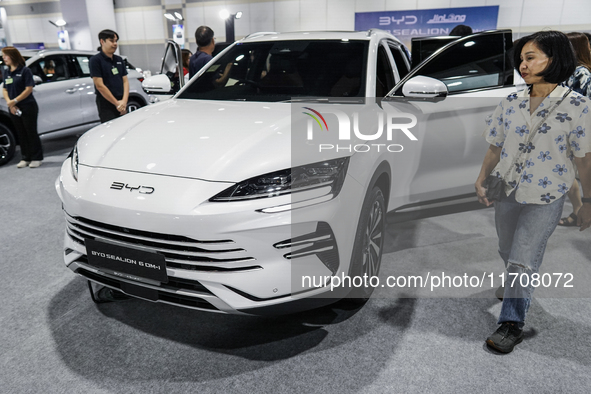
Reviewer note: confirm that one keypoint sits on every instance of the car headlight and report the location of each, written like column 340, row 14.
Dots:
column 74, row 162
column 330, row 173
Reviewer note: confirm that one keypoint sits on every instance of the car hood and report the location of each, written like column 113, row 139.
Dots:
column 208, row 140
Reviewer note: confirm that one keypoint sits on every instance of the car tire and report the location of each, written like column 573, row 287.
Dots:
column 369, row 244
column 133, row 105
column 7, row 144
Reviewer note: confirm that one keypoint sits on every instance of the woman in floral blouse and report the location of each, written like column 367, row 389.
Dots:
column 580, row 82
column 535, row 135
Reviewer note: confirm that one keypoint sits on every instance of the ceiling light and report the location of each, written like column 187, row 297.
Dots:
column 58, row 23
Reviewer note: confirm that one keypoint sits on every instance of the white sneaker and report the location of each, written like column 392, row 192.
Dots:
column 35, row 164
column 22, row 164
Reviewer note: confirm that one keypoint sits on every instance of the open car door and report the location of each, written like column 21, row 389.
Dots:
column 170, row 79
column 453, row 92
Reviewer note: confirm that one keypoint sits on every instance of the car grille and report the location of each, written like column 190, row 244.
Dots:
column 165, row 293
column 179, row 252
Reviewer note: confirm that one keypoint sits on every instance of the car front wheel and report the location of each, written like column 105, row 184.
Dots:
column 7, row 145
column 369, row 241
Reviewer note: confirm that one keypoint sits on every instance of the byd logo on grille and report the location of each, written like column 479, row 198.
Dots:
column 140, row 189
column 387, row 124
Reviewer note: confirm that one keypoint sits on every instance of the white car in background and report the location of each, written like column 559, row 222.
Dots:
column 65, row 97
column 202, row 201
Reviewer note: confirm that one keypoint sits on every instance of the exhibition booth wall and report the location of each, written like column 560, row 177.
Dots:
column 143, row 27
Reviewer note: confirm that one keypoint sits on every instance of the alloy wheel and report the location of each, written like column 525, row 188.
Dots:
column 373, row 240
column 4, row 145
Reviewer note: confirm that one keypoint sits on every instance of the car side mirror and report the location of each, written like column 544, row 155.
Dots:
column 37, row 79
column 425, row 88
column 157, row 84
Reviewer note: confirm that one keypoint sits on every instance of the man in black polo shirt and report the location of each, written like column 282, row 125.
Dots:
column 109, row 75
column 205, row 47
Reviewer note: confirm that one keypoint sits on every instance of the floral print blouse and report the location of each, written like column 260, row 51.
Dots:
column 541, row 169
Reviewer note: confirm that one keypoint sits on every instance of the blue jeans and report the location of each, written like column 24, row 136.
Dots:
column 523, row 231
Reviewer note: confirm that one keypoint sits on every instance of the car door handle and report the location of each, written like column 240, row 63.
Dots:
column 74, row 90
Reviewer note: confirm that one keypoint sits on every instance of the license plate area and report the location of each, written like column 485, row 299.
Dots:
column 126, row 262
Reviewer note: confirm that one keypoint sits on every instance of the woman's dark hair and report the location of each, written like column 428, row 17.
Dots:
column 14, row 55
column 580, row 44
column 557, row 47
column 186, row 54
column 107, row 34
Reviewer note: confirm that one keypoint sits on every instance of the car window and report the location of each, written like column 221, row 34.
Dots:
column 400, row 59
column 82, row 65
column 281, row 70
column 469, row 64
column 219, row 47
column 51, row 68
column 385, row 73
column 423, row 47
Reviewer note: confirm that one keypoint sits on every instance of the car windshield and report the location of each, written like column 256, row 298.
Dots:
column 282, row 70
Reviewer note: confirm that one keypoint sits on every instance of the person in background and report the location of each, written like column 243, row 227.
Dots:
column 18, row 93
column 109, row 75
column 533, row 150
column 205, row 47
column 49, row 69
column 186, row 54
column 461, row 30
column 580, row 82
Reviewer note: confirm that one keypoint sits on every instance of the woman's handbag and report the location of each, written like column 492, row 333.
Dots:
column 495, row 186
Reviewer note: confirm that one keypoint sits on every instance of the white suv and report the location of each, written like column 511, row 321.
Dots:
column 220, row 200
column 65, row 97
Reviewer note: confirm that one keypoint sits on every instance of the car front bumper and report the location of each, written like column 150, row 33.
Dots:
column 226, row 257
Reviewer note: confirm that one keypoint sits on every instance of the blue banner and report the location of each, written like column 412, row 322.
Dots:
column 433, row 22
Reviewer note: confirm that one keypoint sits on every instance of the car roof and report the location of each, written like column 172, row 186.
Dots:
column 320, row 35
column 46, row 52
column 35, row 54
column 29, row 52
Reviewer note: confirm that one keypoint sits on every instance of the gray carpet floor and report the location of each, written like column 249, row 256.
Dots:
column 53, row 339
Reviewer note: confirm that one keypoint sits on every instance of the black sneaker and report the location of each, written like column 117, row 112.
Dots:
column 505, row 338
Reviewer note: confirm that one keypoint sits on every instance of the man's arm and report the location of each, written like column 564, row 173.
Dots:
column 221, row 81
column 491, row 158
column 122, row 105
column 104, row 91
column 584, row 166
